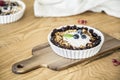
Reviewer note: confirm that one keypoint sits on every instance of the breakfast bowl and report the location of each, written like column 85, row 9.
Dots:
column 11, row 11
column 76, row 41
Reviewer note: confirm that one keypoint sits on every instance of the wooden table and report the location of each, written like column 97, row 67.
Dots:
column 17, row 40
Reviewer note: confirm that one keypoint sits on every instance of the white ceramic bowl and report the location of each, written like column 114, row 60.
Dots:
column 13, row 17
column 77, row 54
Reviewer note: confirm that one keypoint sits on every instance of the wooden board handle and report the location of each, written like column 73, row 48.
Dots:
column 26, row 65
column 39, row 47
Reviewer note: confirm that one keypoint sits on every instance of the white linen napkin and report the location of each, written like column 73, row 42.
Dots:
column 59, row 8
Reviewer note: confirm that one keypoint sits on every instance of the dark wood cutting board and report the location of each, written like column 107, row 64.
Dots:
column 43, row 56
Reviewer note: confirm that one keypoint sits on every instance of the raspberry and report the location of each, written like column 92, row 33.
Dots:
column 2, row 3
column 82, row 21
column 115, row 62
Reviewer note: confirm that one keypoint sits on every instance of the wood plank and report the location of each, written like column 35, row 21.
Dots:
column 17, row 40
column 43, row 56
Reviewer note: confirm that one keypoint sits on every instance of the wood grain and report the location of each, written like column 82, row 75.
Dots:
column 17, row 40
column 43, row 56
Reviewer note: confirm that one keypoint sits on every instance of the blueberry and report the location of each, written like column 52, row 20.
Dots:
column 79, row 31
column 98, row 38
column 83, row 36
column 67, row 27
column 94, row 35
column 55, row 30
column 71, row 27
column 63, row 29
column 5, row 7
column 0, row 11
column 76, row 36
column 91, row 30
column 52, row 34
column 78, row 28
column 59, row 30
column 97, row 42
column 74, row 27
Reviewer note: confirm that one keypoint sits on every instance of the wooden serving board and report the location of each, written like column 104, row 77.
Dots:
column 43, row 56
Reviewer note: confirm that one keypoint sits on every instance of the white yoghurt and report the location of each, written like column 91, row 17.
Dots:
column 77, row 42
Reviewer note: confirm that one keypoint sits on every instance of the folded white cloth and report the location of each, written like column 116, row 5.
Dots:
column 58, row 8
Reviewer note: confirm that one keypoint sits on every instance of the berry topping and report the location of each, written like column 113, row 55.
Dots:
column 5, row 7
column 63, row 29
column 70, row 37
column 76, row 36
column 74, row 27
column 83, row 36
column 91, row 30
column 97, row 42
column 114, row 60
column 0, row 11
column 53, row 33
column 2, row 3
column 79, row 31
column 55, row 30
column 68, row 27
column 94, row 35
column 82, row 21
column 98, row 38
column 8, row 7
